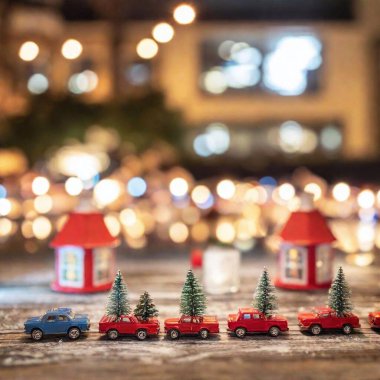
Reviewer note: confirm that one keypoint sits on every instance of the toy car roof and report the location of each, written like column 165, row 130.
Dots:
column 60, row 310
column 248, row 310
column 323, row 309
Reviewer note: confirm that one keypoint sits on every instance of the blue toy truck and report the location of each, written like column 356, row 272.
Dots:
column 60, row 321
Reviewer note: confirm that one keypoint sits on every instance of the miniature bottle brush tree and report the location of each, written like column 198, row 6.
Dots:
column 340, row 295
column 265, row 299
column 145, row 308
column 118, row 303
column 193, row 300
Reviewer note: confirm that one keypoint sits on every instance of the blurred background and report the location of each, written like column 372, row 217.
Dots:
column 186, row 123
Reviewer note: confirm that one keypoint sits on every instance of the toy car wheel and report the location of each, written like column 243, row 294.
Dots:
column 203, row 334
column 316, row 329
column 274, row 331
column 141, row 334
column 347, row 329
column 112, row 334
column 36, row 334
column 173, row 334
column 240, row 332
column 74, row 333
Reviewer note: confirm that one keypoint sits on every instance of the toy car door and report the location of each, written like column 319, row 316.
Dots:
column 247, row 322
column 62, row 324
column 186, row 325
column 196, row 325
column 49, row 324
column 328, row 322
column 258, row 323
column 335, row 321
column 126, row 325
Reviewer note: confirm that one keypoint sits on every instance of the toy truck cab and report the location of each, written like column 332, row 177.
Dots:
column 250, row 320
column 60, row 321
column 113, row 327
column 186, row 325
column 374, row 319
column 324, row 318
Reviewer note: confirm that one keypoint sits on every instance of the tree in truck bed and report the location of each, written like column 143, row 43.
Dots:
column 145, row 308
column 265, row 299
column 193, row 300
column 118, row 303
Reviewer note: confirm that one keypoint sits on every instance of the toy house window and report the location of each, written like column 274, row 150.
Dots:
column 103, row 261
column 246, row 316
column 71, row 266
column 295, row 264
column 323, row 263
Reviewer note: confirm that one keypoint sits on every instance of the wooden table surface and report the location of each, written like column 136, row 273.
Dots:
column 24, row 291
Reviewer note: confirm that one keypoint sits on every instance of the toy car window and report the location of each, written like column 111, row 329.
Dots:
column 246, row 316
column 126, row 319
column 50, row 318
column 186, row 320
column 256, row 316
column 63, row 318
column 324, row 315
column 196, row 320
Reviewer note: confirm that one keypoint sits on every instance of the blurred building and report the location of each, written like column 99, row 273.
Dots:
column 267, row 83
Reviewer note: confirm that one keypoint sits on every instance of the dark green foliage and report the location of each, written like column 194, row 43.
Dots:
column 193, row 300
column 145, row 309
column 265, row 299
column 118, row 303
column 50, row 121
column 340, row 295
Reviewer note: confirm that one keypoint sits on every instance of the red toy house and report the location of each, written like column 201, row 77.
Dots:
column 306, row 258
column 84, row 255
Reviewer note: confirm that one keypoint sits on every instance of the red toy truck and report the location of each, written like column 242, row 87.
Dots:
column 250, row 320
column 374, row 319
column 324, row 318
column 128, row 325
column 186, row 325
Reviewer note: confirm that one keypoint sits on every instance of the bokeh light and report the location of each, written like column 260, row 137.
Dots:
column 136, row 187
column 178, row 187
column 106, row 192
column 74, row 186
column 314, row 189
column 225, row 232
column 147, row 48
column 29, row 51
column 71, row 49
column 184, row 14
column 163, row 32
column 178, row 232
column 341, row 192
column 41, row 227
column 40, row 185
column 38, row 83
column 286, row 191
column 226, row 189
column 366, row 199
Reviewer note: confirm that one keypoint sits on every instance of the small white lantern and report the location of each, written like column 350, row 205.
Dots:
column 221, row 266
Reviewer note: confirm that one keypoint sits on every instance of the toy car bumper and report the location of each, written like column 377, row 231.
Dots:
column 303, row 327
